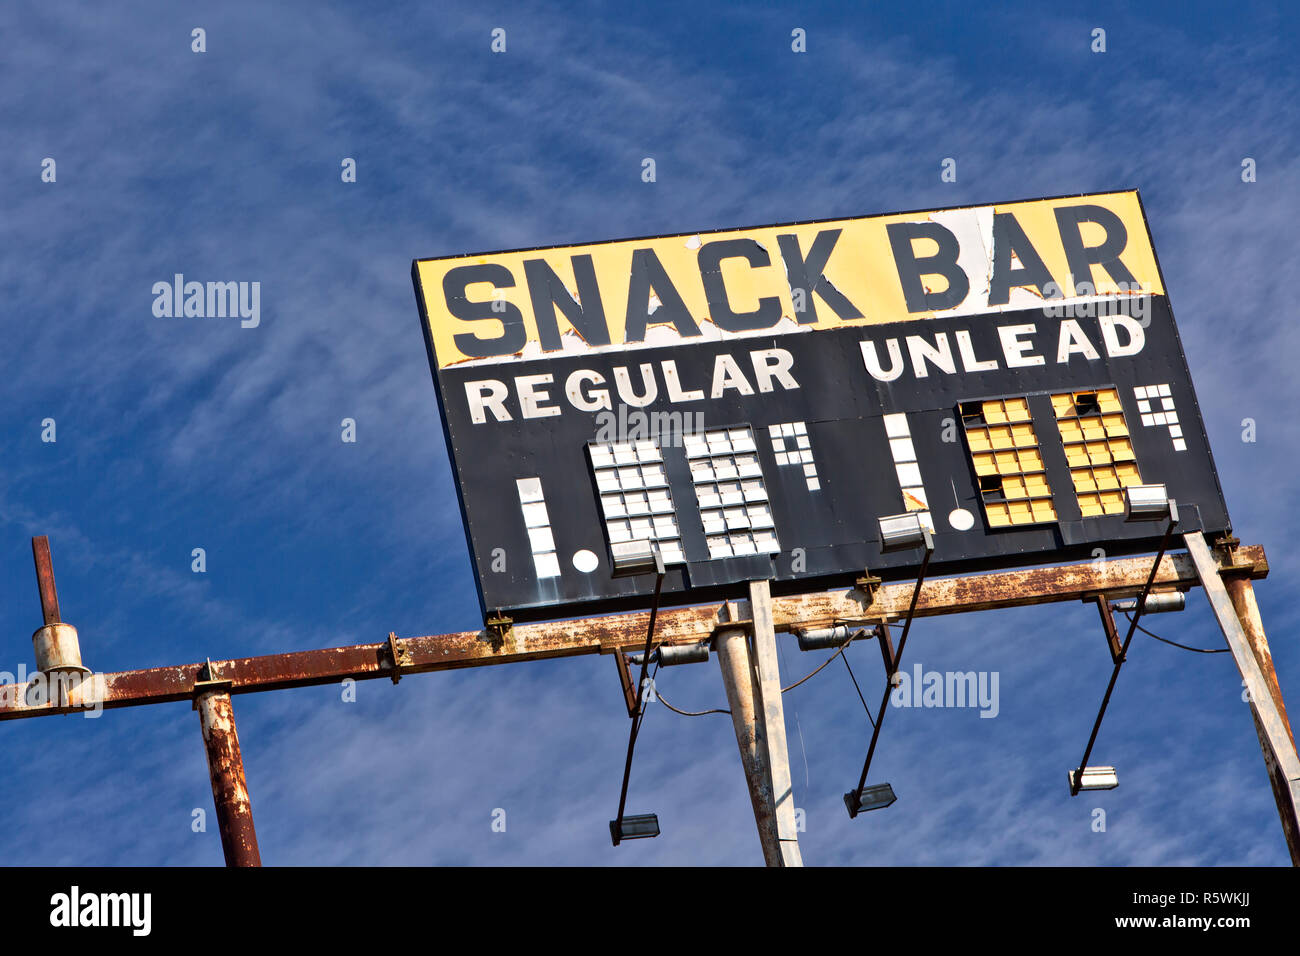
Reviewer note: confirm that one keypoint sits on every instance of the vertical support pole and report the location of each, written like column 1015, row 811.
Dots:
column 768, row 671
column 1254, row 663
column 1242, row 593
column 226, row 768
column 737, row 677
column 57, row 648
column 45, row 580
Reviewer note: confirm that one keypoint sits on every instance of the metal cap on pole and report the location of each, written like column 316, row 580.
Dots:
column 58, row 650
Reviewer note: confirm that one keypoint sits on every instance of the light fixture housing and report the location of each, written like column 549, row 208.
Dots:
column 670, row 655
column 1148, row 503
column 823, row 638
column 640, row 827
column 904, row 531
column 1158, row 603
column 636, row 557
column 1095, row 778
column 875, row 797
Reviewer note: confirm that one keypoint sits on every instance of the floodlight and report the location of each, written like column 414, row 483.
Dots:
column 623, row 827
column 673, row 654
column 636, row 557
column 1094, row 778
column 904, row 531
column 876, row 797
column 1148, row 503
column 639, row 827
column 822, row 638
column 1155, row 603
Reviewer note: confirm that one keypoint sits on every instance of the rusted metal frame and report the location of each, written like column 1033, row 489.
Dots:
column 226, row 770
column 1281, row 792
column 397, row 656
column 1108, row 626
column 1239, row 621
column 625, row 679
column 616, row 825
column 1242, row 594
column 229, row 787
column 887, row 651
column 1123, row 651
column 889, row 682
column 611, row 633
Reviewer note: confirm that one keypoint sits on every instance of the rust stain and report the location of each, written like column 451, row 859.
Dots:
column 1242, row 594
column 229, row 787
column 611, row 633
column 45, row 579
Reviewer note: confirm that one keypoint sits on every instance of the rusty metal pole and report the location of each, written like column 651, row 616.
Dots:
column 1237, row 619
column 55, row 643
column 738, row 678
column 1242, row 594
column 1243, row 600
column 226, row 767
column 45, row 580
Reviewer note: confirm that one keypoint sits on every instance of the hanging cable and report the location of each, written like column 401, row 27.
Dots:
column 821, row 667
column 1165, row 640
column 649, row 685
column 829, row 660
column 687, row 713
column 859, row 690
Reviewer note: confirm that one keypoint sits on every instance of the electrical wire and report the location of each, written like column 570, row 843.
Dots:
column 807, row 781
column 780, row 650
column 1165, row 640
column 859, row 690
column 641, row 690
column 828, row 661
column 687, row 713
column 716, row 710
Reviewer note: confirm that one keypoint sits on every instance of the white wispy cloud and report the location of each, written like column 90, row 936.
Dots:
column 176, row 433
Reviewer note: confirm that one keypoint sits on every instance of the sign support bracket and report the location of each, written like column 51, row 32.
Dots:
column 216, row 682
column 1077, row 780
column 638, row 712
column 1108, row 626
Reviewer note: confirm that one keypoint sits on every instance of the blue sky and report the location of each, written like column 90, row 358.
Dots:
column 177, row 434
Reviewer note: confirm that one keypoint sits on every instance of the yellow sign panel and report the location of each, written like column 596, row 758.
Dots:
column 771, row 280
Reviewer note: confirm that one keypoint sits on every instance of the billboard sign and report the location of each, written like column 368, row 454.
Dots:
column 751, row 402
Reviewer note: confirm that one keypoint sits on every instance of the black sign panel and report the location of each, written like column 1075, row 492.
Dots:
column 774, row 451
